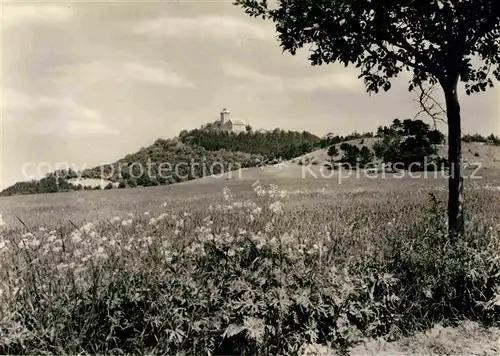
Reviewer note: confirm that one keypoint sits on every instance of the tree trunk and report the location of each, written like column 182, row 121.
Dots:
column 455, row 190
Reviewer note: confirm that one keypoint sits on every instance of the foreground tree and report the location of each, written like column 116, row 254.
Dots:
column 439, row 41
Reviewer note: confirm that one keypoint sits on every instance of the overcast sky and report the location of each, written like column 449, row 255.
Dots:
column 86, row 83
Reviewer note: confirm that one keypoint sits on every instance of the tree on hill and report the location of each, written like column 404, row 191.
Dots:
column 435, row 40
column 333, row 151
column 272, row 145
column 411, row 143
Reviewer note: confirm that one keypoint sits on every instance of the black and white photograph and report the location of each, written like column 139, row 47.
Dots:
column 250, row 177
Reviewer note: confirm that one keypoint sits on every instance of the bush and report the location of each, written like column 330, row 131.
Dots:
column 332, row 151
column 132, row 182
column 410, row 143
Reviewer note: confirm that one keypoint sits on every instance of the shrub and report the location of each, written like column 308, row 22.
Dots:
column 132, row 182
column 332, row 151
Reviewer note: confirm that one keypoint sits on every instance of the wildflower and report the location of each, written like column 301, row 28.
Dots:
column 76, row 237
column 115, row 219
column 100, row 252
column 162, row 216
column 257, row 210
column 226, row 192
column 51, row 238
column 2, row 223
column 87, row 227
column 130, row 215
column 127, row 222
column 146, row 213
column 35, row 243
column 3, row 245
column 164, row 205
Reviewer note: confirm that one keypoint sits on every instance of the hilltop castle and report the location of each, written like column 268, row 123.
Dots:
column 227, row 124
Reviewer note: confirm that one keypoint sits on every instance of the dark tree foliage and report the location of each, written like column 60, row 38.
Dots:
column 332, row 151
column 365, row 155
column 354, row 157
column 410, row 144
column 491, row 139
column 438, row 41
column 51, row 183
column 272, row 145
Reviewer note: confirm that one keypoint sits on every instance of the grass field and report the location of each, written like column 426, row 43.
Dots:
column 231, row 266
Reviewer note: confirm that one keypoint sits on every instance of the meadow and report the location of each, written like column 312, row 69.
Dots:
column 266, row 264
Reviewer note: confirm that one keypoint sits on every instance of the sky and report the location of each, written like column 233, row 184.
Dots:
column 85, row 83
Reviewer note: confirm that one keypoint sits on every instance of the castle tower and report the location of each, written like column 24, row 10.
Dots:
column 224, row 116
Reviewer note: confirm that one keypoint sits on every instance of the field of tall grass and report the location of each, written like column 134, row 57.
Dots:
column 271, row 272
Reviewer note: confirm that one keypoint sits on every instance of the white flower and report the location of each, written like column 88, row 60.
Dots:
column 257, row 210
column 115, row 219
column 76, row 237
column 87, row 227
column 162, row 216
column 146, row 213
column 127, row 222
column 2, row 223
column 164, row 205
column 276, row 207
column 35, row 243
column 228, row 195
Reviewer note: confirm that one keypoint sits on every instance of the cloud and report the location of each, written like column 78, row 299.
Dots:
column 252, row 78
column 258, row 81
column 151, row 74
column 345, row 80
column 53, row 115
column 209, row 26
column 18, row 14
column 95, row 72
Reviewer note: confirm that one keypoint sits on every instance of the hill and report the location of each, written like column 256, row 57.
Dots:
column 194, row 154
column 205, row 152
